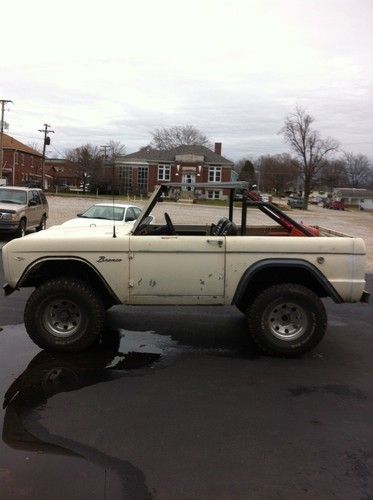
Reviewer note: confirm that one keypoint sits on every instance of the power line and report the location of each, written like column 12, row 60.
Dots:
column 59, row 152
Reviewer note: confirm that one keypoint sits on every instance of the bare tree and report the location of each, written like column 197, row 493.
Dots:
column 169, row 138
column 276, row 173
column 89, row 162
column 333, row 174
column 358, row 170
column 307, row 144
column 116, row 149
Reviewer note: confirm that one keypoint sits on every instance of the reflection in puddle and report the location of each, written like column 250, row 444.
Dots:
column 119, row 353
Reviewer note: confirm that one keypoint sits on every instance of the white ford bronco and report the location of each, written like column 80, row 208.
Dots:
column 274, row 273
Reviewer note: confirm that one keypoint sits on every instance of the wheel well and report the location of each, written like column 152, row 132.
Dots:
column 272, row 275
column 45, row 270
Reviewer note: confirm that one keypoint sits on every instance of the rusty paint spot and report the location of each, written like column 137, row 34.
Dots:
column 152, row 283
column 202, row 282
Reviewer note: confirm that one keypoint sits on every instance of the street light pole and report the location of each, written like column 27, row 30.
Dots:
column 3, row 102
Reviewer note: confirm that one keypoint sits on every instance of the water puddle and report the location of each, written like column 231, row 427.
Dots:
column 27, row 389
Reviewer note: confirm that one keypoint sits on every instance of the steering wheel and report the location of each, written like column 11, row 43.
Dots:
column 169, row 226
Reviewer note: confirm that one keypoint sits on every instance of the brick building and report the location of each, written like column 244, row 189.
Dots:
column 62, row 174
column 139, row 172
column 22, row 164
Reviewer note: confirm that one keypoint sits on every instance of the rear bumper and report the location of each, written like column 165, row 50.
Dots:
column 365, row 297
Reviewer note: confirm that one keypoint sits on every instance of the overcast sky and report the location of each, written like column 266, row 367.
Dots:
column 116, row 70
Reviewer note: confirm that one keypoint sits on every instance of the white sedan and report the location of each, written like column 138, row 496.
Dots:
column 103, row 214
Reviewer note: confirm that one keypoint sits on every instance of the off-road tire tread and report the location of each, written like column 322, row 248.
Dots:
column 253, row 314
column 96, row 313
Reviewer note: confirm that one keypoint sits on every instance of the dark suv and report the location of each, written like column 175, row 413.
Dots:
column 22, row 208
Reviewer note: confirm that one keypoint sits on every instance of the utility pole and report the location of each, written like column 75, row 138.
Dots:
column 105, row 147
column 47, row 141
column 3, row 102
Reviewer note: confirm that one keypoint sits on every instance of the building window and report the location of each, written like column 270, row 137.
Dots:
column 142, row 179
column 213, row 195
column 16, row 157
column 214, row 174
column 125, row 179
column 22, row 159
column 164, row 172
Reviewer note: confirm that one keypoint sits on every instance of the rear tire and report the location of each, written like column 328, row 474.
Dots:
column 287, row 320
column 64, row 314
column 43, row 224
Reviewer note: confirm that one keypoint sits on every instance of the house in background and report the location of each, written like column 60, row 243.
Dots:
column 139, row 172
column 22, row 165
column 354, row 197
column 63, row 174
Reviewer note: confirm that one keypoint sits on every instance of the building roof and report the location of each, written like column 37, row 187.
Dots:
column 148, row 154
column 354, row 192
column 10, row 143
column 59, row 167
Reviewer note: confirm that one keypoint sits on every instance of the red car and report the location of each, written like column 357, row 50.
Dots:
column 337, row 205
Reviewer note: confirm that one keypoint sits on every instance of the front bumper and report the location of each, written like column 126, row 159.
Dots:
column 8, row 226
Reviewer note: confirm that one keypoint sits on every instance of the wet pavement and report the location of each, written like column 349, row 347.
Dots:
column 178, row 403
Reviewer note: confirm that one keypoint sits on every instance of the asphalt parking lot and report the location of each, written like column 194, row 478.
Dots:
column 178, row 403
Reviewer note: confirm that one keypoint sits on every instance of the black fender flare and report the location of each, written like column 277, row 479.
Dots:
column 32, row 267
column 300, row 264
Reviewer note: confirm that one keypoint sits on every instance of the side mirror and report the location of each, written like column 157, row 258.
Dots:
column 79, row 215
column 32, row 203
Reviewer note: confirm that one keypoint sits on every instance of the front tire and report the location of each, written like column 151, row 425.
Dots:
column 287, row 320
column 21, row 230
column 64, row 314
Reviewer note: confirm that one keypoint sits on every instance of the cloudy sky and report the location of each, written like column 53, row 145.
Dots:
column 116, row 70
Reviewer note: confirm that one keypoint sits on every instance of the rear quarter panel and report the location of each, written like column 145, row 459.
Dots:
column 343, row 259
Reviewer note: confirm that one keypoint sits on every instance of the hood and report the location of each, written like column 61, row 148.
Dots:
column 11, row 206
column 67, row 239
column 88, row 222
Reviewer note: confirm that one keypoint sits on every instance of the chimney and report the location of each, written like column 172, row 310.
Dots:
column 217, row 148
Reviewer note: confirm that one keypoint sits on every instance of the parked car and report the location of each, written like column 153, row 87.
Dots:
column 336, row 205
column 22, row 208
column 295, row 202
column 276, row 274
column 103, row 214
